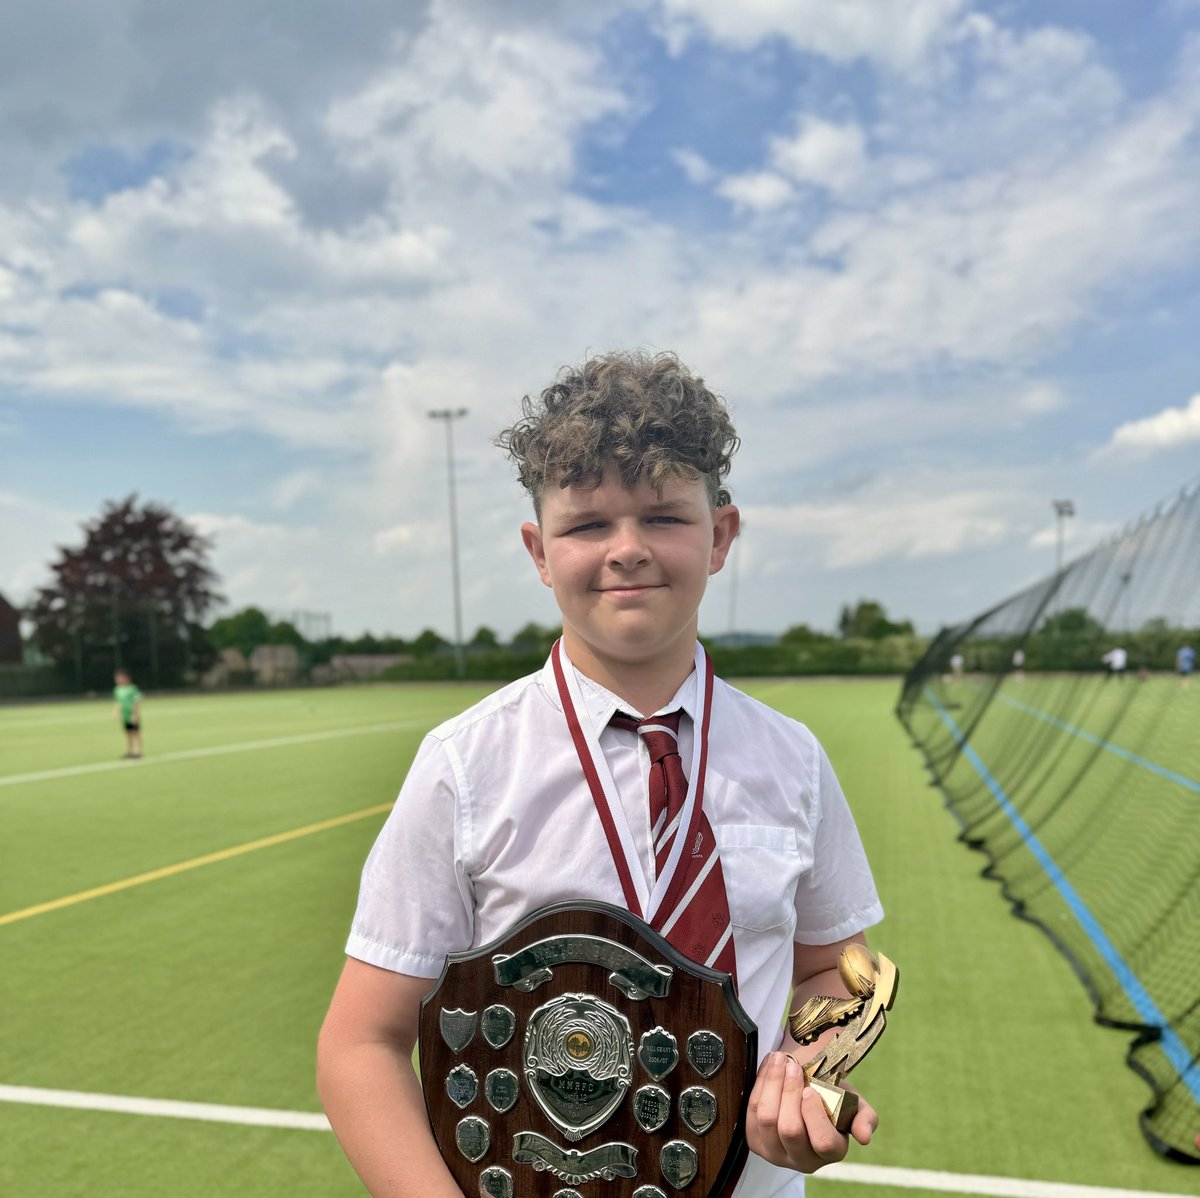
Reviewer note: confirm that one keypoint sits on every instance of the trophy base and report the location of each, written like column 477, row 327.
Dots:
column 842, row 1105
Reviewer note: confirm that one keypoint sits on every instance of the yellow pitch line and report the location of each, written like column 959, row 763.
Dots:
column 208, row 859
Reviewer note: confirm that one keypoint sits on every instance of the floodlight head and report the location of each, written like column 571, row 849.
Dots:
column 1063, row 507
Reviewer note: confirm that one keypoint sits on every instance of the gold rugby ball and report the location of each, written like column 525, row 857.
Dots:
column 859, row 969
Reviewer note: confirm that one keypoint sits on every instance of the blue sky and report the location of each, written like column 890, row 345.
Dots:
column 939, row 256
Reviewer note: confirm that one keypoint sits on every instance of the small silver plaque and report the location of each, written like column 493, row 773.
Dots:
column 501, row 1087
column 648, row 1192
column 679, row 1163
column 458, row 1027
column 462, row 1085
column 498, row 1024
column 698, row 1108
column 495, row 1182
column 706, row 1052
column 473, row 1137
column 651, row 1107
column 567, row 1194
column 658, row 1052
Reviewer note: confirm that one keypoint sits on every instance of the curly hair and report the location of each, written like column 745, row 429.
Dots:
column 646, row 415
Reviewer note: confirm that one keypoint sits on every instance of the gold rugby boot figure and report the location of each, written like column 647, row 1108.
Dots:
column 872, row 983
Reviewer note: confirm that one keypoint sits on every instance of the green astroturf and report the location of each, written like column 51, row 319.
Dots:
column 210, row 985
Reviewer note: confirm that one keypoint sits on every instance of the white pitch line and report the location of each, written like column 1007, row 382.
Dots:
column 73, row 771
column 876, row 1175
column 973, row 1183
column 123, row 1104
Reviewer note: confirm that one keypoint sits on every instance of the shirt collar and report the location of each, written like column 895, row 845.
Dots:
column 601, row 703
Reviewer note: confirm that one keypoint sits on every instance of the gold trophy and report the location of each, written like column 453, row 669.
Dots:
column 872, row 982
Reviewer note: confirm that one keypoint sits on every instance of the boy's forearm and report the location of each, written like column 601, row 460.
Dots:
column 373, row 1099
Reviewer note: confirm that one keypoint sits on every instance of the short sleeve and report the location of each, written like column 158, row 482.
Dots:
column 837, row 897
column 415, row 903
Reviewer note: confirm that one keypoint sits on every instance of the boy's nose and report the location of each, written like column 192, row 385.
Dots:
column 628, row 547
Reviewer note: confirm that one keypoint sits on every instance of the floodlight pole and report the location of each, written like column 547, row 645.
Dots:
column 450, row 415
column 1062, row 509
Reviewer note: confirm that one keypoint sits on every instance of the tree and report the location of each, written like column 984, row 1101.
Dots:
column 800, row 635
column 133, row 595
column 1072, row 621
column 869, row 621
column 484, row 640
column 533, row 638
column 284, row 632
column 244, row 631
column 428, row 644
column 1071, row 639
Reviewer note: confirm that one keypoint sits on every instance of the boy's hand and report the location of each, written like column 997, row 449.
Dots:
column 787, row 1123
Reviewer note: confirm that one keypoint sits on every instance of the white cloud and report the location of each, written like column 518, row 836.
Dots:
column 894, row 33
column 822, row 153
column 30, row 529
column 269, row 564
column 694, row 166
column 994, row 268
column 1077, row 535
column 392, row 540
column 887, row 521
column 987, row 267
column 1040, row 399
column 243, row 534
column 1168, row 429
column 759, row 191
column 463, row 100
column 289, row 489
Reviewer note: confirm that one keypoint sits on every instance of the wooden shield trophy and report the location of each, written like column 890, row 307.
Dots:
column 582, row 1050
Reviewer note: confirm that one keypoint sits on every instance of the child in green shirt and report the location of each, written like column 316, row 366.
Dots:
column 129, row 711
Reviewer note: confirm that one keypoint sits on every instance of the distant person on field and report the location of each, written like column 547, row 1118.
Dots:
column 956, row 666
column 1117, row 659
column 1018, row 665
column 1185, row 663
column 129, row 711
column 505, row 809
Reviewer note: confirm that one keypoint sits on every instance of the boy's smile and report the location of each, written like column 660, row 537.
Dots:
column 628, row 567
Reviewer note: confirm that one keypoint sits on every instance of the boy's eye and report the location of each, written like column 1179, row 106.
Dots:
column 588, row 527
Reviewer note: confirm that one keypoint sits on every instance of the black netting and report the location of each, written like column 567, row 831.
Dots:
column 1081, row 782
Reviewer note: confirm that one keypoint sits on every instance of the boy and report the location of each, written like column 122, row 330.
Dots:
column 623, row 459
column 128, row 710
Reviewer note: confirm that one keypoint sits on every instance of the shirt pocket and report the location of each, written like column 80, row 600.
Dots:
column 761, row 866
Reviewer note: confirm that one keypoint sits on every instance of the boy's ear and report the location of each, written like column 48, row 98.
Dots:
column 531, row 535
column 727, row 520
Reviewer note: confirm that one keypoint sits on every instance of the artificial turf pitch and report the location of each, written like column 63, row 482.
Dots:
column 208, row 983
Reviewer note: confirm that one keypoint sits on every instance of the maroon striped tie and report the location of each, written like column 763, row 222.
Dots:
column 694, row 913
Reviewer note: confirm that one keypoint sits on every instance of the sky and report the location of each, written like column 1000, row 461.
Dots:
column 938, row 256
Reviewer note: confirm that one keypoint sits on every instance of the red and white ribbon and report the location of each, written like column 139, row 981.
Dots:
column 642, row 897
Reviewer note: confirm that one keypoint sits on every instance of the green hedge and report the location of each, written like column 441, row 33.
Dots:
column 30, row 682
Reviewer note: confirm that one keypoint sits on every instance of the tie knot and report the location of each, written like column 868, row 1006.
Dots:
column 659, row 732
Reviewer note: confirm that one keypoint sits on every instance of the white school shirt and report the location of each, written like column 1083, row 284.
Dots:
column 495, row 820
